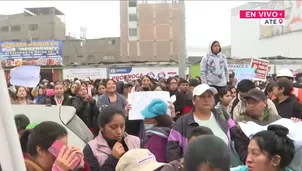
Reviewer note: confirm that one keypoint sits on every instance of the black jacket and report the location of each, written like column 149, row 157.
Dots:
column 51, row 101
column 86, row 111
column 290, row 107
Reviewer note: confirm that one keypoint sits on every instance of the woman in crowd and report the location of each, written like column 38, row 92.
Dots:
column 225, row 98
column 269, row 150
column 172, row 85
column 157, row 127
column 203, row 115
column 85, row 106
column 112, row 141
column 111, row 96
column 100, row 90
column 71, row 90
column 233, row 91
column 21, row 94
column 41, row 94
column 147, row 83
column 40, row 139
column 59, row 98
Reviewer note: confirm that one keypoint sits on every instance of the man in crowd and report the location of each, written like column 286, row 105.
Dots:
column 237, row 106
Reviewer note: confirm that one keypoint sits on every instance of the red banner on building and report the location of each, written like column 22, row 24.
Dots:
column 261, row 68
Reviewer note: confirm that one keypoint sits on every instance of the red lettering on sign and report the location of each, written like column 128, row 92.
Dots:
column 131, row 76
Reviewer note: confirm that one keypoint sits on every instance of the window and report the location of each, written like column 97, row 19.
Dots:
column 111, row 42
column 132, row 32
column 132, row 17
column 15, row 28
column 132, row 3
column 5, row 29
column 80, row 56
column 16, row 40
column 33, row 27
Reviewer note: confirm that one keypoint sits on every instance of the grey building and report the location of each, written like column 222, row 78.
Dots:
column 33, row 24
column 91, row 51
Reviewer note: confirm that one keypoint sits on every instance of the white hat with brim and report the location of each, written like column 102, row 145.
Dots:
column 138, row 160
column 200, row 89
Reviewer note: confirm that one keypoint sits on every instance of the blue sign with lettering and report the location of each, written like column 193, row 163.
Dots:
column 120, row 70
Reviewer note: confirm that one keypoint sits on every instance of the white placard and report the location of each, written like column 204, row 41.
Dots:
column 139, row 100
column 250, row 128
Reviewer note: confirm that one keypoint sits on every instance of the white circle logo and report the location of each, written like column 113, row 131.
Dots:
column 112, row 71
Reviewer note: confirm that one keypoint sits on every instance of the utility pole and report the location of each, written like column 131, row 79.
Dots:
column 182, row 57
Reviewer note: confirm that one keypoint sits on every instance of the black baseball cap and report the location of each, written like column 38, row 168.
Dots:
column 256, row 94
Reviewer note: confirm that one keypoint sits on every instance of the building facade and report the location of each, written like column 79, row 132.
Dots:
column 91, row 51
column 150, row 31
column 33, row 24
column 251, row 40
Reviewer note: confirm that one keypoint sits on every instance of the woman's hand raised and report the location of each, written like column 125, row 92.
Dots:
column 66, row 158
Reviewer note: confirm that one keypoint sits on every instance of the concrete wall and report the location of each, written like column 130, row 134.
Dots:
column 94, row 51
column 49, row 27
column 246, row 41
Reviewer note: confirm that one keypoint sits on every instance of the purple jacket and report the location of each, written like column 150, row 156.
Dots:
column 101, row 149
column 156, row 140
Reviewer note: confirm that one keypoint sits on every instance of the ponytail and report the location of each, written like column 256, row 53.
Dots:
column 24, row 139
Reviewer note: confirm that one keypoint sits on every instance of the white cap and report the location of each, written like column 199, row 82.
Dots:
column 87, row 79
column 138, row 160
column 285, row 73
column 200, row 89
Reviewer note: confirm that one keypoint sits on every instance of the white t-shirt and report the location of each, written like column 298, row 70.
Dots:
column 214, row 126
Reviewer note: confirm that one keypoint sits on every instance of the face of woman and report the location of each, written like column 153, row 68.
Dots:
column 173, row 84
column 111, row 86
column 46, row 159
column 146, row 82
column 73, row 88
column 258, row 160
column 115, row 129
column 101, row 89
column 41, row 91
column 59, row 90
column 21, row 92
column 83, row 92
column 234, row 93
column 227, row 98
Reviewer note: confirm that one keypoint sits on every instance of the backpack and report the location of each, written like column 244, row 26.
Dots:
column 235, row 102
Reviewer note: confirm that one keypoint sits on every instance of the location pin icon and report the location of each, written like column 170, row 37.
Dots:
column 280, row 21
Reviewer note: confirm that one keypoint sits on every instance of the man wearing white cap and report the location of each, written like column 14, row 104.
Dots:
column 286, row 73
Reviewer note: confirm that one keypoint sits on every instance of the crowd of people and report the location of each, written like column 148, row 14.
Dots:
column 200, row 134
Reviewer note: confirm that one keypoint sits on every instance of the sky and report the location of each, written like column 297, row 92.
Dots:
column 205, row 20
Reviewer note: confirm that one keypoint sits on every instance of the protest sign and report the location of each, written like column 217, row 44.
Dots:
column 261, row 68
column 251, row 128
column 244, row 73
column 139, row 100
column 27, row 76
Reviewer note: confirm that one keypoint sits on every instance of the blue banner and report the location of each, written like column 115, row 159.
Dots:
column 120, row 70
column 37, row 52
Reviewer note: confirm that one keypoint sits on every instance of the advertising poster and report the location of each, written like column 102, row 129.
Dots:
column 293, row 18
column 42, row 53
column 133, row 73
column 261, row 68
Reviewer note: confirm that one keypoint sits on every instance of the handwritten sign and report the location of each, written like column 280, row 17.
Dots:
column 244, row 73
column 27, row 76
column 139, row 100
column 261, row 68
column 251, row 128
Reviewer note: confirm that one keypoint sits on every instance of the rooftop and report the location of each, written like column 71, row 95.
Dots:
column 43, row 11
